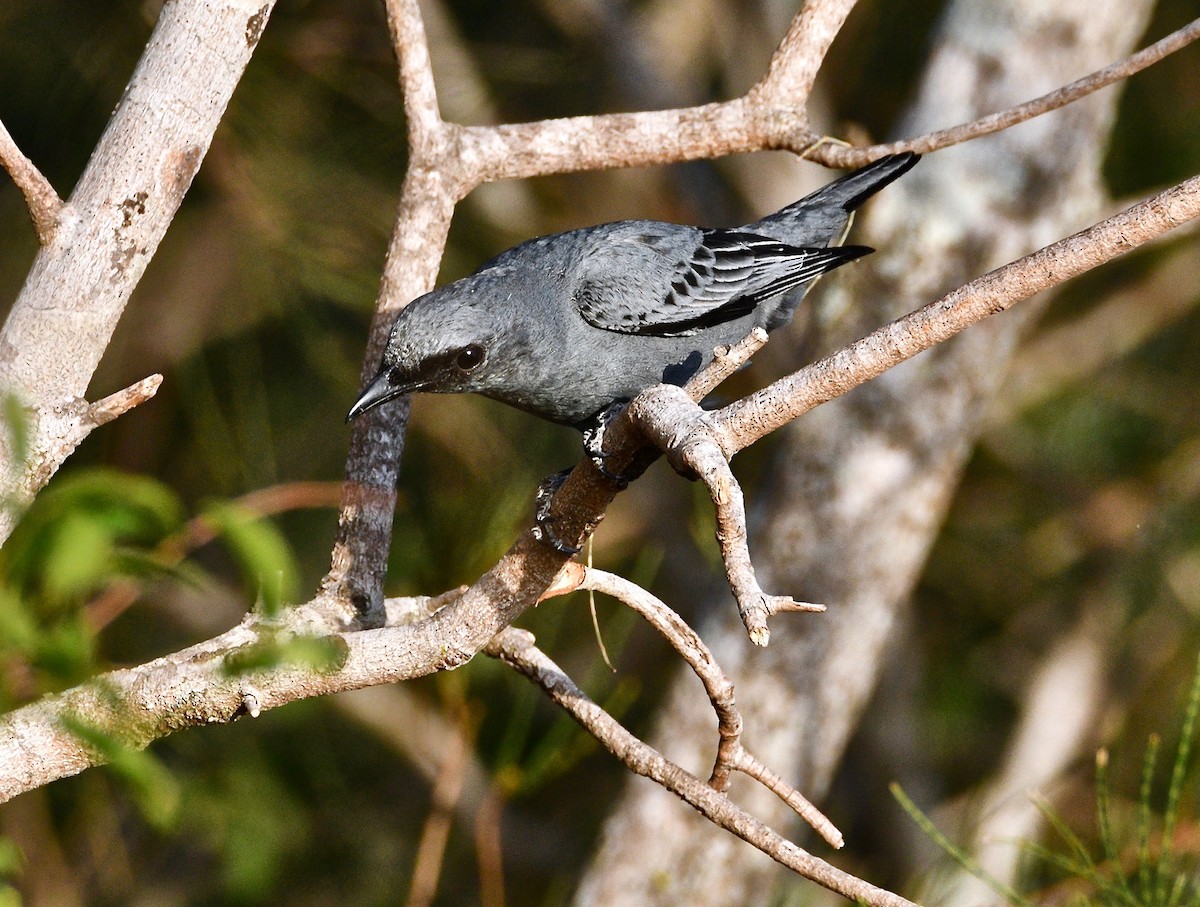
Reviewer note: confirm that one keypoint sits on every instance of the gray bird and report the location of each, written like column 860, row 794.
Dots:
column 566, row 326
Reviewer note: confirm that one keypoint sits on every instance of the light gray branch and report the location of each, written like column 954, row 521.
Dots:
column 111, row 225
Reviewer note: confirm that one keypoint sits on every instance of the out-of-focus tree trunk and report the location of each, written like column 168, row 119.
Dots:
column 861, row 486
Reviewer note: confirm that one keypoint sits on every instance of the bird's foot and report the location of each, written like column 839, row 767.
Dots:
column 543, row 531
column 593, row 441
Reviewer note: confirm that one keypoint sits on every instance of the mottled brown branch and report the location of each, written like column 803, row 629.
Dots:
column 837, row 154
column 793, row 68
column 416, row 71
column 75, row 293
column 43, row 202
column 517, row 649
column 353, row 589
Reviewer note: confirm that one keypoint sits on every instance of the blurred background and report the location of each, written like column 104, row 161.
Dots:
column 1081, row 507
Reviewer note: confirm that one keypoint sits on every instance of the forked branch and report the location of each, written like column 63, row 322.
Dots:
column 517, row 649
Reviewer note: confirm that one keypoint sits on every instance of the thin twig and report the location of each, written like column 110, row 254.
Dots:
column 746, row 762
column 834, row 154
column 688, row 644
column 43, row 202
column 103, row 411
column 516, row 648
column 731, row 753
column 726, row 360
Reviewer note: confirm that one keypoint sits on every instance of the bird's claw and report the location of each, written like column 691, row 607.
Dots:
column 593, row 441
column 543, row 531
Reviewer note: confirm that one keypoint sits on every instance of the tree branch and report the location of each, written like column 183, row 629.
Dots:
column 516, row 648
column 76, row 291
column 837, row 154
column 45, row 207
column 793, row 68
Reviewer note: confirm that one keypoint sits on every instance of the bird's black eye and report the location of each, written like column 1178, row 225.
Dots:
column 470, row 357
column 395, row 376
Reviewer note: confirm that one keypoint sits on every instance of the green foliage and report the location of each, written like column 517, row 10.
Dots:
column 152, row 787
column 85, row 531
column 73, row 540
column 95, row 527
column 262, row 553
column 11, row 864
column 1158, row 876
column 311, row 652
column 252, row 821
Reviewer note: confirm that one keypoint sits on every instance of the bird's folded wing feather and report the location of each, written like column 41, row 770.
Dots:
column 666, row 285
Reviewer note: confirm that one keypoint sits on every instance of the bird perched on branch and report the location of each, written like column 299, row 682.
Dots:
column 566, row 326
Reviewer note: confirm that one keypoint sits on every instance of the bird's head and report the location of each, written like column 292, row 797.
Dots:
column 443, row 342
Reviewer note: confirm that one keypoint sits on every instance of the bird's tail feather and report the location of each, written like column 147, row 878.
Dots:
column 849, row 192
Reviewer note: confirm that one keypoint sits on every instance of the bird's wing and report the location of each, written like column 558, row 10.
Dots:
column 647, row 284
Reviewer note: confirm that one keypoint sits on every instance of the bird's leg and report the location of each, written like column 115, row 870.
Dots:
column 542, row 530
column 593, row 440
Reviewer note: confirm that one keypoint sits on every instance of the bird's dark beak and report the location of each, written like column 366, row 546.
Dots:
column 379, row 391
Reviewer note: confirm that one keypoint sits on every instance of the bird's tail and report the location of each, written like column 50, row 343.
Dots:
column 849, row 192
column 823, row 216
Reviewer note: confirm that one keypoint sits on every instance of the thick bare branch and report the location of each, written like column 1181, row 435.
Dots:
column 416, row 71
column 793, row 68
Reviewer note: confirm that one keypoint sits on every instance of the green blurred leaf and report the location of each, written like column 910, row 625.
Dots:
column 77, row 556
column 12, row 861
column 253, row 821
column 261, row 551
column 150, row 784
column 320, row 653
column 18, row 626
column 65, row 545
column 65, row 650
